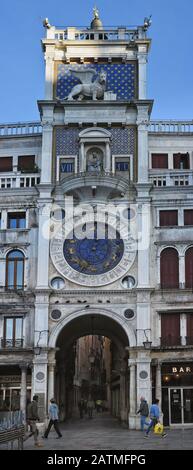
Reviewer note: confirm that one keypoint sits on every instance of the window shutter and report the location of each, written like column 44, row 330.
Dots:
column 6, row 164
column 168, row 218
column 170, row 329
column 26, row 162
column 159, row 160
column 188, row 217
column 169, row 268
column 189, row 268
column 190, row 328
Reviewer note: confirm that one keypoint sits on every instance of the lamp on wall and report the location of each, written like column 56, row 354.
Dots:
column 146, row 343
column 37, row 348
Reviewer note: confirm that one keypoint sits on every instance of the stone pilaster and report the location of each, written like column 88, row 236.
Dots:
column 47, row 139
column 132, row 394
column 159, row 384
column 142, row 71
column 23, row 396
column 49, row 72
column 51, row 381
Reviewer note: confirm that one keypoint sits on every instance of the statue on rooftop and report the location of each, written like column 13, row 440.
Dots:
column 96, row 12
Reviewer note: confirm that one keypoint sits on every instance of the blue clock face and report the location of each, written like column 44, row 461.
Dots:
column 93, row 256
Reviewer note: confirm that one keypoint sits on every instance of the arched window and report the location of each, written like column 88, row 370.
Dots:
column 169, row 267
column 15, row 270
column 189, row 268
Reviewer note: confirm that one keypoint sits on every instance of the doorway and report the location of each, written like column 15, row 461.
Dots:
column 180, row 406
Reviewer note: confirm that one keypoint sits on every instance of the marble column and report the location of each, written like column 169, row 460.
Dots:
column 182, row 270
column 23, row 396
column 122, row 397
column 159, row 384
column 132, row 395
column 49, row 72
column 44, row 207
column 51, row 377
column 82, row 163
column 142, row 72
column 108, row 158
column 46, row 162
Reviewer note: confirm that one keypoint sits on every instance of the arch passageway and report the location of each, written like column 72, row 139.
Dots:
column 91, row 366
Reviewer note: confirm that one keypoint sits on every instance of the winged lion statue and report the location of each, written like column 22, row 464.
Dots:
column 88, row 88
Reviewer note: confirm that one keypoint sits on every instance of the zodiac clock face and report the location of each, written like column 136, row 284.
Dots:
column 94, row 261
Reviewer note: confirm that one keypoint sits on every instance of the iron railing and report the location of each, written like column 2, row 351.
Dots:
column 11, row 343
column 170, row 340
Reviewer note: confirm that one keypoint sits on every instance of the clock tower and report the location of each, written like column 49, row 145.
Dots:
column 94, row 202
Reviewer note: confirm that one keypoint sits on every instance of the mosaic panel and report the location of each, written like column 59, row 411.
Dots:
column 121, row 79
column 123, row 140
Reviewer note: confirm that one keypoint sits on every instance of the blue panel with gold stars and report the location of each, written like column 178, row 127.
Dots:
column 121, row 79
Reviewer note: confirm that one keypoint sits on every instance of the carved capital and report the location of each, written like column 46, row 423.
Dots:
column 47, row 125
column 142, row 57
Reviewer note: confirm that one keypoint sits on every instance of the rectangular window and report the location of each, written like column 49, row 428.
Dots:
column 26, row 163
column 168, row 218
column 170, row 329
column 122, row 166
column 13, row 332
column 6, row 164
column 16, row 220
column 159, row 160
column 188, row 217
column 67, row 167
column 181, row 161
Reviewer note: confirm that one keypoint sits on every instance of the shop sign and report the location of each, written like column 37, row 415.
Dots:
column 181, row 370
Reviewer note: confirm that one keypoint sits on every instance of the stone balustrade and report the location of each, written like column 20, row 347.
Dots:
column 20, row 129
column 170, row 126
column 155, row 126
column 107, row 33
column 19, row 180
column 162, row 178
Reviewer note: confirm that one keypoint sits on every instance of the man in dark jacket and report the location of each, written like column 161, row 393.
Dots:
column 144, row 413
column 32, row 418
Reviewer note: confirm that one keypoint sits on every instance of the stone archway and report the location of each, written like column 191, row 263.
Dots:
column 80, row 324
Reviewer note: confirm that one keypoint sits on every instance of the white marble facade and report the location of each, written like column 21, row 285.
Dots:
column 92, row 125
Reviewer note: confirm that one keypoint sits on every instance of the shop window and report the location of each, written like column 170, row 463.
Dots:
column 168, row 218
column 181, row 161
column 189, row 268
column 189, row 337
column 170, row 329
column 6, row 164
column 13, row 332
column 26, row 163
column 188, row 217
column 15, row 270
column 16, row 220
column 169, row 269
column 159, row 160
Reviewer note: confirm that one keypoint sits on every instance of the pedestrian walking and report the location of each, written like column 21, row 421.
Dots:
column 144, row 413
column 53, row 415
column 81, row 407
column 90, row 407
column 32, row 418
column 154, row 417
